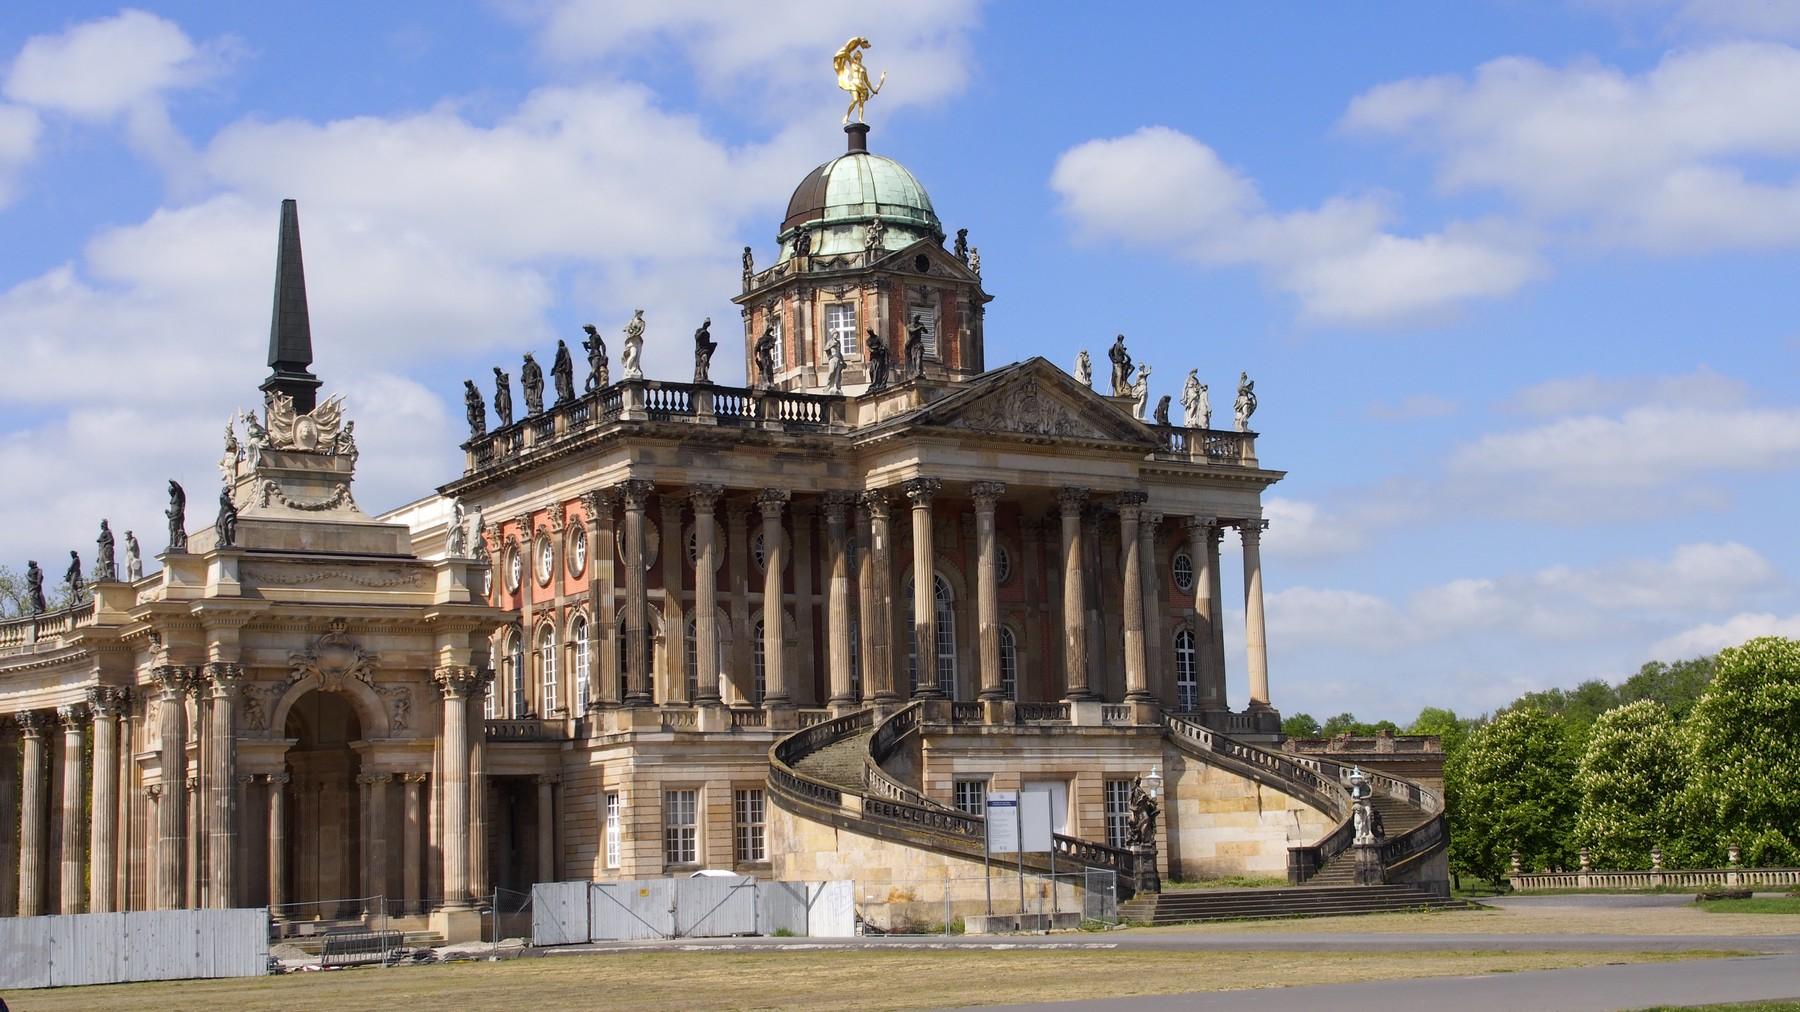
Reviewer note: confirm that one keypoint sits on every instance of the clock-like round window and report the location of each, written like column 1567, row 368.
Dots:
column 1002, row 564
column 546, row 560
column 515, row 570
column 1183, row 569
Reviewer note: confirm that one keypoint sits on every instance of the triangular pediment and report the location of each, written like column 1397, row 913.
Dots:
column 939, row 262
column 1035, row 399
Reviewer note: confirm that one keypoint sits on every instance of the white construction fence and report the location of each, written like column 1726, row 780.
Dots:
column 566, row 913
column 69, row 949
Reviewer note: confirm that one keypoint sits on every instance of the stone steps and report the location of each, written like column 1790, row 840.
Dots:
column 1299, row 901
column 840, row 763
column 313, row 945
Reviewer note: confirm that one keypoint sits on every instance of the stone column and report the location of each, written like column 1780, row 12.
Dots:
column 920, row 491
column 771, row 501
column 878, row 659
column 1072, row 498
column 456, row 681
column 378, row 837
column 1203, row 553
column 737, row 541
column 1255, row 640
column 365, row 858
column 171, row 810
column 245, row 860
column 802, row 681
column 674, row 556
column 278, row 784
column 410, row 857
column 108, row 703
column 126, row 824
column 987, row 587
column 221, row 822
column 603, row 654
column 837, row 602
column 73, row 804
column 1155, row 650
column 9, row 817
column 33, row 782
column 479, row 880
column 546, row 828
column 635, row 494
column 705, row 500
column 192, row 880
column 1137, row 677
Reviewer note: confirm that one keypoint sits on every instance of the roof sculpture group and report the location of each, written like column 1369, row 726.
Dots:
column 1196, row 404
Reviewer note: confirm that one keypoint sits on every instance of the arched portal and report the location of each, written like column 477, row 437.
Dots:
column 324, row 825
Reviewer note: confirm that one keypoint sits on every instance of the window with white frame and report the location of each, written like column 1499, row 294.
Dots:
column 1009, row 663
column 1183, row 568
column 580, row 677
column 615, row 828
column 546, row 554
column 748, row 820
column 756, row 663
column 517, row 688
column 681, row 832
column 924, row 315
column 547, row 667
column 945, row 607
column 577, row 550
column 780, row 343
column 1187, row 673
column 840, row 326
column 1118, row 812
column 971, row 797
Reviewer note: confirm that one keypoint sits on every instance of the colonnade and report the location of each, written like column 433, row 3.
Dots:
column 866, row 517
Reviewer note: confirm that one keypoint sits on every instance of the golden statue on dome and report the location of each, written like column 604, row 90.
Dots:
column 853, row 78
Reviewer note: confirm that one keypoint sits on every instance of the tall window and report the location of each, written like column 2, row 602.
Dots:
column 840, row 326
column 927, row 317
column 1009, row 664
column 946, row 637
column 1187, row 680
column 1118, row 812
column 615, row 822
column 518, row 675
column 756, row 663
column 547, row 666
column 625, row 657
column 1183, row 568
column 681, row 835
column 780, row 343
column 580, row 676
column 747, row 822
column 971, row 797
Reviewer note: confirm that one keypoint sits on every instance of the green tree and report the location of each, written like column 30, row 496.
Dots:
column 1677, row 686
column 1343, row 723
column 1744, row 736
column 1512, row 787
column 1629, row 786
column 1300, row 725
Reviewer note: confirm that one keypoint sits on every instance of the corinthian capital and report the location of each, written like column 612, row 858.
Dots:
column 705, row 497
column 109, row 700
column 771, row 501
column 171, row 680
column 556, row 516
column 1131, row 503
column 1072, row 498
column 920, row 490
column 597, row 503
column 986, row 494
column 72, row 715
column 635, row 493
column 456, row 680
column 226, row 678
column 837, row 505
column 876, row 501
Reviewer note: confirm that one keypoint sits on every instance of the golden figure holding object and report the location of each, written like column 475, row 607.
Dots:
column 853, row 78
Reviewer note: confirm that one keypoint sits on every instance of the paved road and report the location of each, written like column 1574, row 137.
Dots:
column 1590, row 989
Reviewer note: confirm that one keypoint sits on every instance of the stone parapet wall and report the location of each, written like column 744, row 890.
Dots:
column 1220, row 823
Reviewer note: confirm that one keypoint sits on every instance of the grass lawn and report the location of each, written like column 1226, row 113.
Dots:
column 1754, row 905
column 1544, row 919
column 796, row 978
column 1784, row 1005
column 1227, row 882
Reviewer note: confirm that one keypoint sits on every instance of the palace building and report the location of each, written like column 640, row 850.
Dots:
column 795, row 630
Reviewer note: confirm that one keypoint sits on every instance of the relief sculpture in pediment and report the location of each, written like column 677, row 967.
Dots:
column 1029, row 409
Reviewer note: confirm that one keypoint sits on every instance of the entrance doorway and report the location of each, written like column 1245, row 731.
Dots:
column 324, row 823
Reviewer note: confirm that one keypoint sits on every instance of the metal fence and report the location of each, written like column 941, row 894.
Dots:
column 564, row 913
column 69, row 949
column 338, row 932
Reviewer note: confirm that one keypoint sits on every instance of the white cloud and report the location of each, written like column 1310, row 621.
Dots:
column 1695, row 153
column 1161, row 188
column 1709, row 577
column 1301, row 530
column 1413, row 407
column 118, row 67
column 1712, row 637
column 1309, row 615
column 1753, row 18
column 19, row 131
column 1700, row 388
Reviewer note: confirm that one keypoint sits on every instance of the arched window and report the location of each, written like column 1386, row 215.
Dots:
column 1187, row 678
column 516, row 693
column 581, row 663
column 756, row 663
column 547, row 668
column 946, row 636
column 1009, row 664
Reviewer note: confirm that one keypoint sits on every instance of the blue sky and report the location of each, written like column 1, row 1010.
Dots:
column 1514, row 280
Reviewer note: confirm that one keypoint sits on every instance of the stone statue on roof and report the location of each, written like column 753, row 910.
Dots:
column 632, row 357
column 177, row 514
column 531, row 381
column 765, row 355
column 599, row 374
column 1121, row 367
column 915, row 348
column 34, row 589
column 749, row 268
column 1162, row 410
column 872, row 235
column 1084, row 369
column 876, row 351
column 134, row 559
column 834, row 369
column 1196, row 413
column 226, row 524
column 1140, row 392
column 1246, row 401
column 961, row 249
column 72, row 577
column 704, row 346
column 562, row 373
column 474, row 409
column 105, row 566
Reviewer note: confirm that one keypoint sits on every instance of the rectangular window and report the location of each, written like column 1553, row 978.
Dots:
column 681, row 835
column 1118, row 812
column 780, row 343
column 840, row 326
column 747, row 820
column 615, row 838
column 927, row 317
column 971, row 797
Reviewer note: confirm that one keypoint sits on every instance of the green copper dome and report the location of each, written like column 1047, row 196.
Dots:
column 836, row 199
